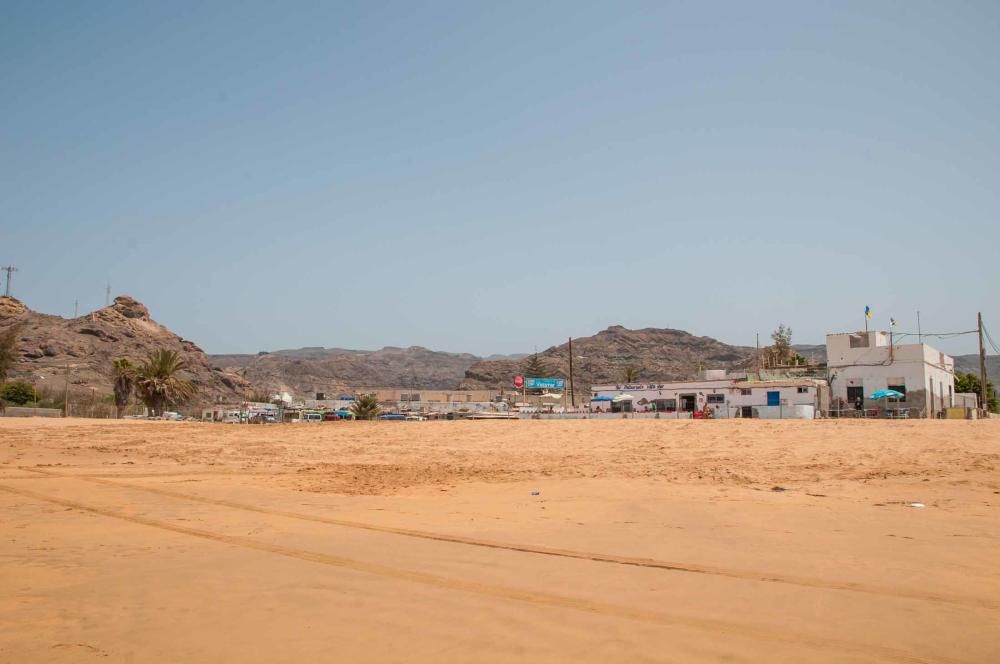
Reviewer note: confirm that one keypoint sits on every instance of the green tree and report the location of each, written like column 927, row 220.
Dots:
column 159, row 383
column 123, row 383
column 365, row 407
column 17, row 392
column 8, row 351
column 969, row 382
column 780, row 353
column 782, row 346
column 629, row 374
column 534, row 367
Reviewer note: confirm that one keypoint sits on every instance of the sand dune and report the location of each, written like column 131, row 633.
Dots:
column 737, row 541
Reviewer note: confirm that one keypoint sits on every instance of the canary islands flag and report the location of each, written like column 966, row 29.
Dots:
column 868, row 311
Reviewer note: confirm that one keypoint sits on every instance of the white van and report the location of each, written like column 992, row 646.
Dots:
column 312, row 417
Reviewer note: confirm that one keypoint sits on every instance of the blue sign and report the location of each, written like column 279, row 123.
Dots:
column 544, row 383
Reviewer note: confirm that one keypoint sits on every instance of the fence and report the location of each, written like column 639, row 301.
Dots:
column 22, row 411
column 103, row 410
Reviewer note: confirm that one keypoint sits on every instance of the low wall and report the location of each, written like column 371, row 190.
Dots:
column 785, row 412
column 19, row 411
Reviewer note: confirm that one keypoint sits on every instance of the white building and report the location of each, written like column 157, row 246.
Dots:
column 726, row 396
column 861, row 363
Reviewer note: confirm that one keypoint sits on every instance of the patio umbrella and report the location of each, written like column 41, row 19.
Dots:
column 601, row 398
column 885, row 394
column 622, row 397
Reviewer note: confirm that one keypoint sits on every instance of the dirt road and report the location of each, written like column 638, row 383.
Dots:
column 660, row 541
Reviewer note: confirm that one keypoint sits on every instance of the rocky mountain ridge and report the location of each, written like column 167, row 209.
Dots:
column 47, row 345
column 657, row 354
column 309, row 370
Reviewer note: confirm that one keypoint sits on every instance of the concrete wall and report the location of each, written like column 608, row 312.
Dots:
column 18, row 411
column 443, row 396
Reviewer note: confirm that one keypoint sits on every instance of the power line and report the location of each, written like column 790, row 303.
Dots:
column 989, row 338
column 938, row 335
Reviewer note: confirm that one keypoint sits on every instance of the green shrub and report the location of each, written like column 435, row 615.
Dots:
column 17, row 392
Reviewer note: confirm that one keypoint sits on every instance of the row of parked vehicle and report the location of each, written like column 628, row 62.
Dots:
column 329, row 416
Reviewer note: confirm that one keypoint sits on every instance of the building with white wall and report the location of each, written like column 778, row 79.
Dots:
column 726, row 396
column 861, row 363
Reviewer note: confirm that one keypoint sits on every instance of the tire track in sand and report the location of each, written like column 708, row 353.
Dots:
column 651, row 563
column 536, row 598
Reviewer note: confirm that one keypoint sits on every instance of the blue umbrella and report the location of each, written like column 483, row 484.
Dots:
column 601, row 398
column 885, row 394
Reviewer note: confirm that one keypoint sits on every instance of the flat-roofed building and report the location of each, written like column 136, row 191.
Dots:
column 862, row 363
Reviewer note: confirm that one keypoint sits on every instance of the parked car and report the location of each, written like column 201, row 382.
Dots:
column 345, row 414
column 331, row 417
column 311, row 417
column 395, row 417
column 413, row 417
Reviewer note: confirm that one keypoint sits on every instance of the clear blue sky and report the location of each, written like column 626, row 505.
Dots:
column 491, row 177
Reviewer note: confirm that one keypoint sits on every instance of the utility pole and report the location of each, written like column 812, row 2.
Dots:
column 983, row 396
column 76, row 308
column 107, row 295
column 920, row 337
column 66, row 395
column 572, row 392
column 757, row 359
column 10, row 269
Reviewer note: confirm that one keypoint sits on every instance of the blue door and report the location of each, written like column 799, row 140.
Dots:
column 773, row 398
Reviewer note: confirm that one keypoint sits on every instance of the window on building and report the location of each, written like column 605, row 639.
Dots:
column 855, row 392
column 802, row 390
column 746, row 391
column 716, row 398
column 665, row 405
column 899, row 387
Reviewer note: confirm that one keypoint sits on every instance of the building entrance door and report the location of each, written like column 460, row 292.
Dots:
column 687, row 402
column 774, row 398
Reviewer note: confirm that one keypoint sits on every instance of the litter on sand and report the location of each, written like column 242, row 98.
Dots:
column 538, row 493
column 917, row 505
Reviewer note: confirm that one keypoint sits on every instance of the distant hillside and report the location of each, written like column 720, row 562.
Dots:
column 90, row 343
column 970, row 363
column 814, row 353
column 306, row 370
column 660, row 354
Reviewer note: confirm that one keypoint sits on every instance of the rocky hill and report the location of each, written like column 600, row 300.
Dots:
column 89, row 344
column 659, row 354
column 304, row 371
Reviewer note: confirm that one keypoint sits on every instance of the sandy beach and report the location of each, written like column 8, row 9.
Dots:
column 500, row 541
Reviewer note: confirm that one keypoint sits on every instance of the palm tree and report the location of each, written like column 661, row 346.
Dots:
column 123, row 382
column 158, row 382
column 365, row 407
column 630, row 373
